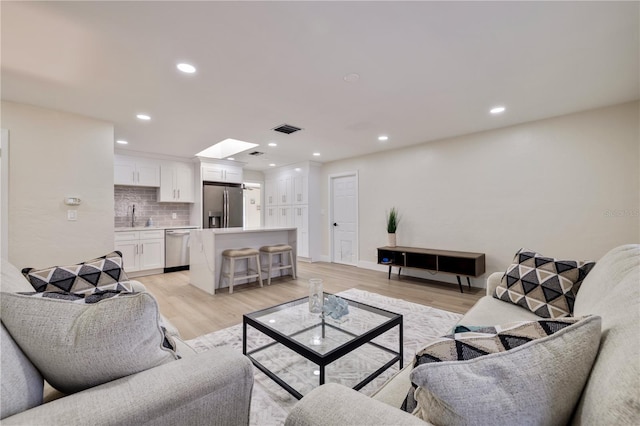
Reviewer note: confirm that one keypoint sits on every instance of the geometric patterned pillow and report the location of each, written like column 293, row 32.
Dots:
column 529, row 372
column 103, row 273
column 543, row 285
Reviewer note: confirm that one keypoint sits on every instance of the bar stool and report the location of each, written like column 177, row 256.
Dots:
column 281, row 250
column 233, row 255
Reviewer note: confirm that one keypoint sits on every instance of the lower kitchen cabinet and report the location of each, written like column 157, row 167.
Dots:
column 142, row 251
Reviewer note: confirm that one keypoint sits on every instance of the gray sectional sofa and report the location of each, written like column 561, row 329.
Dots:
column 612, row 391
column 213, row 387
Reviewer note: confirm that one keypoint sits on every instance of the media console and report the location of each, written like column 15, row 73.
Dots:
column 451, row 262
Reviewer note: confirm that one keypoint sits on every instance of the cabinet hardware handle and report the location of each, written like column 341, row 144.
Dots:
column 142, row 250
column 174, row 194
column 138, row 177
column 178, row 194
column 136, row 248
column 133, row 177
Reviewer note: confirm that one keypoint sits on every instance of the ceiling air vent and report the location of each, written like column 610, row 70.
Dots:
column 286, row 128
column 256, row 153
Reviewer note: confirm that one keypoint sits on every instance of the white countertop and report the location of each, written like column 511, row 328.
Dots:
column 152, row 228
column 244, row 230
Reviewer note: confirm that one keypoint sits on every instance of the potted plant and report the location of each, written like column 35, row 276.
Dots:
column 392, row 225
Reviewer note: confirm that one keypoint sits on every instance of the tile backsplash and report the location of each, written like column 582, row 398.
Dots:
column 147, row 206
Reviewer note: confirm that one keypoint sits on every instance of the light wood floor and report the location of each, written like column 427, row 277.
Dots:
column 195, row 312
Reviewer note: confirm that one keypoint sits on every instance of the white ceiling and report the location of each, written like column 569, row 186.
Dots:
column 428, row 70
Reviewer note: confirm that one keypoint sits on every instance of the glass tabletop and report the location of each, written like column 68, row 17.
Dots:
column 293, row 321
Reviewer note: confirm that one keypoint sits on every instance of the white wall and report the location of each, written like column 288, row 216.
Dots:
column 567, row 187
column 53, row 155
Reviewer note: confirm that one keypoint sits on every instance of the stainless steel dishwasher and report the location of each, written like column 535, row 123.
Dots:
column 176, row 250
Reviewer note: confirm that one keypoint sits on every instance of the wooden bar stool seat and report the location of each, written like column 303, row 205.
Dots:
column 280, row 250
column 230, row 257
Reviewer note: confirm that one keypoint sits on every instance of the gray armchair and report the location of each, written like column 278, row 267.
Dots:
column 209, row 388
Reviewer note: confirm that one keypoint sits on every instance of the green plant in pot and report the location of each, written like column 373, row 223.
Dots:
column 393, row 219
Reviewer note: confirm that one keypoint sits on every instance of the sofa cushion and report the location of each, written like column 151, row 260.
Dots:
column 102, row 273
column 533, row 370
column 77, row 345
column 22, row 384
column 490, row 311
column 544, row 285
column 612, row 291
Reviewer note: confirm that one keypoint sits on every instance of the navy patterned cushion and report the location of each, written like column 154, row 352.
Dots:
column 544, row 285
column 102, row 273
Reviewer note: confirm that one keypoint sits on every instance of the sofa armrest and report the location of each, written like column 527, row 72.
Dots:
column 212, row 388
column 492, row 282
column 333, row 404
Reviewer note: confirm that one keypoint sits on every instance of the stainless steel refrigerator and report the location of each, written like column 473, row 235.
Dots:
column 222, row 205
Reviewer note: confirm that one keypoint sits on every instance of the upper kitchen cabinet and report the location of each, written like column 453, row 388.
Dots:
column 221, row 173
column 136, row 171
column 176, row 183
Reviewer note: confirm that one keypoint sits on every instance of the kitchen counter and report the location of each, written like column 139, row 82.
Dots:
column 207, row 245
column 152, row 228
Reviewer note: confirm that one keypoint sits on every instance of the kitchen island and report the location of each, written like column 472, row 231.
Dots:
column 207, row 245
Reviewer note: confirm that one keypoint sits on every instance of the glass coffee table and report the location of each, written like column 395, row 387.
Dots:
column 300, row 350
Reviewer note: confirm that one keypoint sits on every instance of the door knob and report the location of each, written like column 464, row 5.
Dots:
column 335, row 224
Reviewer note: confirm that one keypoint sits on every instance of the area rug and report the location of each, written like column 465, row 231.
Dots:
column 270, row 403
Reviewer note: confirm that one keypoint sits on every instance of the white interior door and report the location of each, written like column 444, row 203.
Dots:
column 344, row 218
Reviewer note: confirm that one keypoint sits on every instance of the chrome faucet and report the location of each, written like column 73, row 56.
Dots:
column 133, row 216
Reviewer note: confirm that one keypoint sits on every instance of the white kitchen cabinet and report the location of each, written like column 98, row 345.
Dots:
column 285, row 216
column 301, row 222
column 176, row 183
column 129, row 250
column 271, row 217
column 292, row 194
column 151, row 253
column 285, row 190
column 141, row 250
column 221, row 173
column 271, row 193
column 134, row 171
column 300, row 189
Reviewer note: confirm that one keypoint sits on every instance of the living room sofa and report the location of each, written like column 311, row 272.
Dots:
column 611, row 395
column 213, row 387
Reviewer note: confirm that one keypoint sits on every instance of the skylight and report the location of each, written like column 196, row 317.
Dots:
column 226, row 148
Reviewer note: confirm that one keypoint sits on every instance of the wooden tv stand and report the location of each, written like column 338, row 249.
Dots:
column 451, row 262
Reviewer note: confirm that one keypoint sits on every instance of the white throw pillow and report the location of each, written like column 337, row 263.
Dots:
column 510, row 375
column 89, row 340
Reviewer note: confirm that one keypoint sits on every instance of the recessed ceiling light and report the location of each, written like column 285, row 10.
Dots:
column 298, row 169
column 143, row 117
column 122, row 142
column 188, row 68
column 383, row 138
column 351, row 77
column 497, row 110
column 231, row 158
column 272, row 144
column 272, row 165
column 316, row 154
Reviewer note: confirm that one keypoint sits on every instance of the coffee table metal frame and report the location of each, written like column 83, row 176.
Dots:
column 322, row 360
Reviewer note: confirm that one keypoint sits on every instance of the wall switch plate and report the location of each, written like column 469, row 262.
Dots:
column 72, row 214
column 174, row 215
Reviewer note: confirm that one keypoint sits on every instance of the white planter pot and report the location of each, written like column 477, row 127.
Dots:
column 392, row 240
